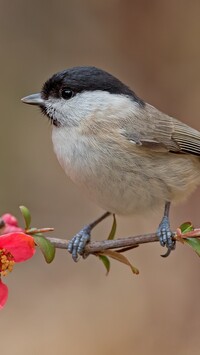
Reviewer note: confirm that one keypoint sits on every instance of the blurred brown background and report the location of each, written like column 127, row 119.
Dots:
column 68, row 308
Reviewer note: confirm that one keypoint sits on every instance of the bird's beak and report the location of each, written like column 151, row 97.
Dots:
column 34, row 99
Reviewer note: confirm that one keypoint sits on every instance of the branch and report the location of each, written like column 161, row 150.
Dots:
column 183, row 234
column 97, row 246
column 126, row 243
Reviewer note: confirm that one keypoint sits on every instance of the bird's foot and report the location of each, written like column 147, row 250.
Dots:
column 77, row 244
column 165, row 236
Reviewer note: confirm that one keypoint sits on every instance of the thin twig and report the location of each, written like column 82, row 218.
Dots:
column 124, row 243
column 96, row 246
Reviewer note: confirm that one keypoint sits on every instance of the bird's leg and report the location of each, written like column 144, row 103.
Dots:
column 78, row 242
column 164, row 232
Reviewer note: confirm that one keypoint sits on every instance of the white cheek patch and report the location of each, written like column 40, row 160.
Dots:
column 87, row 104
column 55, row 110
column 50, row 111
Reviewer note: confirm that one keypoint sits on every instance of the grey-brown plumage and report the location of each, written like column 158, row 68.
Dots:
column 158, row 131
column 126, row 155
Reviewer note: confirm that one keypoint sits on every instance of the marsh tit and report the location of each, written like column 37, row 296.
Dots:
column 126, row 155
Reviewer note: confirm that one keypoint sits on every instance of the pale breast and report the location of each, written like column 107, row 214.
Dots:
column 124, row 182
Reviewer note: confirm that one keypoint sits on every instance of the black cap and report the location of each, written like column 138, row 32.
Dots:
column 80, row 79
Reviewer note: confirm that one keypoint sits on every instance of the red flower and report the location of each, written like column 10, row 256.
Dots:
column 14, row 248
column 3, row 294
column 11, row 224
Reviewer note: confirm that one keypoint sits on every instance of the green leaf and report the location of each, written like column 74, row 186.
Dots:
column 121, row 258
column 194, row 243
column 113, row 229
column 106, row 263
column 46, row 247
column 186, row 227
column 27, row 216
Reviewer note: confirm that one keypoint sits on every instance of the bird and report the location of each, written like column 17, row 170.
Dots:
column 126, row 155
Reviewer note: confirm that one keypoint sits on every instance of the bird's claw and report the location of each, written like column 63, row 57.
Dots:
column 165, row 236
column 77, row 244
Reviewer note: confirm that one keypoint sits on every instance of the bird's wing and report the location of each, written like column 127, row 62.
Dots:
column 160, row 132
column 187, row 138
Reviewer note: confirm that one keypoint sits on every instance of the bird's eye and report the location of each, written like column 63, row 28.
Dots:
column 67, row 93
